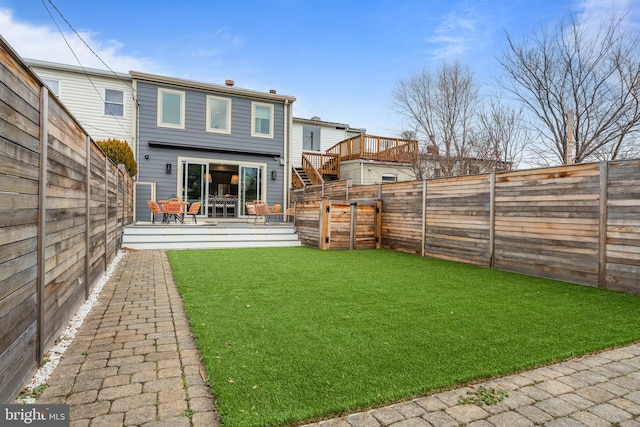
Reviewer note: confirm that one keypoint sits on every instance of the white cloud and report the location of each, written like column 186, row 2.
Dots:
column 462, row 31
column 47, row 44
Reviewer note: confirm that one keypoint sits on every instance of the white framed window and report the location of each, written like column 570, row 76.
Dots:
column 218, row 114
column 389, row 178
column 54, row 85
column 171, row 108
column 261, row 120
column 113, row 103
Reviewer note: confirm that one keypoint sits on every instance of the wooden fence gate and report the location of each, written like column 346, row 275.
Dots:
column 330, row 224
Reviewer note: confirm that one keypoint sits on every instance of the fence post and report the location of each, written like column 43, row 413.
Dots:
column 352, row 226
column 602, row 222
column 325, row 210
column 106, row 212
column 87, row 219
column 378, row 224
column 492, row 220
column 424, row 216
column 42, row 218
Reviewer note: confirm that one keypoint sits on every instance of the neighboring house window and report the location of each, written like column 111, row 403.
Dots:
column 113, row 103
column 261, row 120
column 170, row 108
column 310, row 138
column 218, row 114
column 54, row 85
column 388, row 178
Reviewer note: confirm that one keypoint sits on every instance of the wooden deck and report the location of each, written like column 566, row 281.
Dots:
column 209, row 235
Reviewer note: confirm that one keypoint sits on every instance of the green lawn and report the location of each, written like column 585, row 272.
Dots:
column 291, row 334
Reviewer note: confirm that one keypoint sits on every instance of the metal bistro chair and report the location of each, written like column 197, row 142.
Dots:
column 155, row 209
column 193, row 211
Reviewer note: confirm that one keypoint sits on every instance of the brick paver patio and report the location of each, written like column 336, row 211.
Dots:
column 135, row 363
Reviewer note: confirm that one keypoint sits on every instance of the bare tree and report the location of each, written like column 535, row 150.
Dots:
column 501, row 136
column 440, row 108
column 593, row 71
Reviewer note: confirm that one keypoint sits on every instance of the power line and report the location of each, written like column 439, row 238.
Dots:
column 85, row 72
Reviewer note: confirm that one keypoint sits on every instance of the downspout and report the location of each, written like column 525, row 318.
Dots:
column 136, row 146
column 361, row 172
column 285, row 149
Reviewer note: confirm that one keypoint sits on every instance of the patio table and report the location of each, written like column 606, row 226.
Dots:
column 173, row 208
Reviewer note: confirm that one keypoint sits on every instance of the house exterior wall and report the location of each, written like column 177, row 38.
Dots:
column 364, row 172
column 161, row 146
column 82, row 92
column 330, row 135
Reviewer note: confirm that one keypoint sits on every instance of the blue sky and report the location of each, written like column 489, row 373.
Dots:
column 340, row 59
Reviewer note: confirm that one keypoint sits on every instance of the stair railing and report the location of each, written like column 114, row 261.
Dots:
column 308, row 165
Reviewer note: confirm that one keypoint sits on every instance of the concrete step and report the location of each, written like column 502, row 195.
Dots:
column 173, row 236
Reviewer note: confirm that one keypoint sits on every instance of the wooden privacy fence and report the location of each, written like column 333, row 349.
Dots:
column 577, row 223
column 63, row 206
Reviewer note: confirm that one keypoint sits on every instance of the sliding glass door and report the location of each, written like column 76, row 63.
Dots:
column 251, row 181
column 195, row 183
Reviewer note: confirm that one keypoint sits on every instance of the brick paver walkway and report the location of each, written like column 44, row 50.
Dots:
column 593, row 391
column 135, row 363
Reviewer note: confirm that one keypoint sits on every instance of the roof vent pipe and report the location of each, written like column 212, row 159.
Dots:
column 272, row 91
column 229, row 83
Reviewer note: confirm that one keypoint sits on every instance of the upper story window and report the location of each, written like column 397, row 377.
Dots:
column 218, row 114
column 310, row 138
column 54, row 85
column 113, row 103
column 171, row 108
column 261, row 120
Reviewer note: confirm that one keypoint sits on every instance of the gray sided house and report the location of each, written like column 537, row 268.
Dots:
column 202, row 142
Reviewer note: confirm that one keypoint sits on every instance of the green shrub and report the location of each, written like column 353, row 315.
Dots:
column 119, row 152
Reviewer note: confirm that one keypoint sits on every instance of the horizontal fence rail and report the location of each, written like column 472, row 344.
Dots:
column 63, row 206
column 578, row 223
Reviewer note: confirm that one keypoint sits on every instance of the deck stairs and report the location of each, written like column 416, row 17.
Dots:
column 209, row 236
column 303, row 175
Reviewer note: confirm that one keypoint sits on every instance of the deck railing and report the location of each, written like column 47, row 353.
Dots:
column 375, row 148
column 316, row 165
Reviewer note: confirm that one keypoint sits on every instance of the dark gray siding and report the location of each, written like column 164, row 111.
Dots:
column 164, row 145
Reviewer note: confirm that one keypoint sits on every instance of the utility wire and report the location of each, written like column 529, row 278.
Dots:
column 85, row 72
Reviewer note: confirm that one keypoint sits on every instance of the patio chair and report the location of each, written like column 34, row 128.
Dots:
column 263, row 210
column 193, row 211
column 290, row 213
column 155, row 209
column 251, row 210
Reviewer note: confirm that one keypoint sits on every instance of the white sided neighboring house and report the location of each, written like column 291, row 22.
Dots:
column 100, row 100
column 317, row 136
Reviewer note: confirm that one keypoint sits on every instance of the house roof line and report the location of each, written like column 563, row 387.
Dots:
column 76, row 69
column 209, row 87
column 321, row 122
